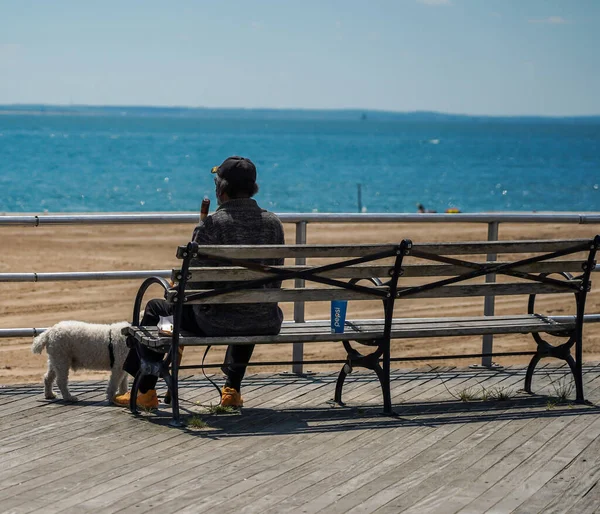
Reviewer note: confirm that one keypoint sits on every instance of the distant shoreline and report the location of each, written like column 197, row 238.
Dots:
column 363, row 115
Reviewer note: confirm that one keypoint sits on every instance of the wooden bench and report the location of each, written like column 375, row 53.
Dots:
column 391, row 274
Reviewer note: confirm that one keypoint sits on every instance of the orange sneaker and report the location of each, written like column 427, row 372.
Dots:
column 231, row 398
column 147, row 400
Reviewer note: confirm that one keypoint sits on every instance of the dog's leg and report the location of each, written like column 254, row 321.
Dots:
column 48, row 381
column 62, row 378
column 123, row 386
column 117, row 378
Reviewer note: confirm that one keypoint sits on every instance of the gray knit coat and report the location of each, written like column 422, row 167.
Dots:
column 239, row 222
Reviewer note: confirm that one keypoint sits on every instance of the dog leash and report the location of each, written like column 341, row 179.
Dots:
column 111, row 350
column 206, row 376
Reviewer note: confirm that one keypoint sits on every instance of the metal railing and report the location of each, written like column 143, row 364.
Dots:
column 301, row 221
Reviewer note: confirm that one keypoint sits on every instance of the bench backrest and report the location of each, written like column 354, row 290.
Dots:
column 241, row 279
column 440, row 269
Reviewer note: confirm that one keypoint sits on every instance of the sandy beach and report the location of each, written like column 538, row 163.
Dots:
column 137, row 247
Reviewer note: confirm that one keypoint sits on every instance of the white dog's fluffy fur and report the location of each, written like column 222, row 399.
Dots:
column 78, row 345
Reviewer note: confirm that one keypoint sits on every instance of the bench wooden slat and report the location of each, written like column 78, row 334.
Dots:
column 497, row 247
column 281, row 295
column 361, row 250
column 325, row 295
column 288, row 251
column 235, row 273
column 492, row 289
column 402, row 328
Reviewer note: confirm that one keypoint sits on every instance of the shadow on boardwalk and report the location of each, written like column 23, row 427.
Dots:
column 267, row 422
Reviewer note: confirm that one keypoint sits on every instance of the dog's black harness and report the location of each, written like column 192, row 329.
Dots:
column 111, row 351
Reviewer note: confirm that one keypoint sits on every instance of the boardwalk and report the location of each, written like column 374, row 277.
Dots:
column 290, row 451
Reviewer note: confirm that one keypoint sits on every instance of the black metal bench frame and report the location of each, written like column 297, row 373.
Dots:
column 379, row 359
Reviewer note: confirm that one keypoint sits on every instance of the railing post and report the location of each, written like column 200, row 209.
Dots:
column 298, row 348
column 487, row 345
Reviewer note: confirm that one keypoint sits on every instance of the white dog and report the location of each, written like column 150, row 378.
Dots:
column 78, row 345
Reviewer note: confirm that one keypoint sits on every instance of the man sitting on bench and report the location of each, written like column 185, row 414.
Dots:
column 237, row 221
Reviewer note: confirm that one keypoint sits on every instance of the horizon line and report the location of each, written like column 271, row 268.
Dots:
column 10, row 106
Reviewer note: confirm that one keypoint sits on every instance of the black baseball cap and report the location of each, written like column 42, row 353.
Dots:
column 238, row 171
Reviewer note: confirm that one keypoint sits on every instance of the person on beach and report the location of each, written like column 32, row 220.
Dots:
column 421, row 209
column 237, row 221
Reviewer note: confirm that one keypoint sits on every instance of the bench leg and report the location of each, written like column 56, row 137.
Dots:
column 370, row 361
column 529, row 375
column 384, row 380
column 559, row 352
column 167, row 398
column 134, row 392
column 577, row 377
column 345, row 371
column 176, row 421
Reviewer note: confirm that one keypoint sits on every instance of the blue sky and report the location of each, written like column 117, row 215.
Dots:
column 498, row 57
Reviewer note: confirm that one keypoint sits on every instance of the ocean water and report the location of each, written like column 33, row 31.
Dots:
column 141, row 162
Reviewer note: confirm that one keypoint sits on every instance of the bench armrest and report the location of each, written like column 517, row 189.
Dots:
column 135, row 321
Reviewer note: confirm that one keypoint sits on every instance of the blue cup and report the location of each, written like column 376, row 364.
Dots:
column 338, row 316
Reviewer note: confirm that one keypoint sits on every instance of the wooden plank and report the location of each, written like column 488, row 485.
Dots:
column 491, row 289
column 497, row 247
column 288, row 251
column 328, row 294
column 236, row 273
column 446, row 270
column 359, row 330
column 282, row 295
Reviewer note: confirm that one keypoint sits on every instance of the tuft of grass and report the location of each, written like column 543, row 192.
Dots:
column 563, row 390
column 467, row 395
column 485, row 394
column 196, row 422
column 219, row 409
column 500, row 394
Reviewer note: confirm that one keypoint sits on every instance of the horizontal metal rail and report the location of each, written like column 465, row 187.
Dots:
column 83, row 275
column 109, row 219
column 67, row 276
column 32, row 332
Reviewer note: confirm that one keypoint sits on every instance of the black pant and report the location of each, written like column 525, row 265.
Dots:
column 236, row 358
